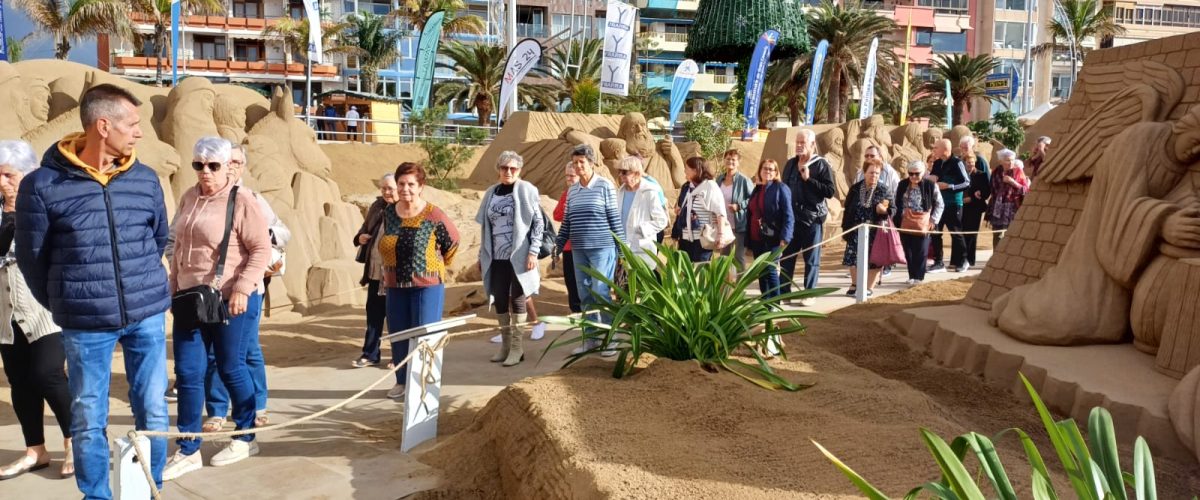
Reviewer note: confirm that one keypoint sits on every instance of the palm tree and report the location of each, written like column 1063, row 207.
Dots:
column 68, row 21
column 787, row 80
column 849, row 29
column 967, row 76
column 418, row 12
column 16, row 48
column 371, row 38
column 585, row 55
column 480, row 70
column 1073, row 22
column 294, row 35
column 159, row 12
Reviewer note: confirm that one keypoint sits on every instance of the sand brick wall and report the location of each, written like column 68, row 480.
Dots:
column 1048, row 216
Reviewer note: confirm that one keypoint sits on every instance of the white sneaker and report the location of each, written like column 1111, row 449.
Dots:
column 917, row 282
column 609, row 351
column 497, row 339
column 236, row 451
column 808, row 302
column 539, row 331
column 587, row 345
column 181, row 464
column 396, row 392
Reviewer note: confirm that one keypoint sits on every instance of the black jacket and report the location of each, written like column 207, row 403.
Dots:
column 777, row 213
column 952, row 171
column 981, row 184
column 370, row 227
column 681, row 217
column 808, row 197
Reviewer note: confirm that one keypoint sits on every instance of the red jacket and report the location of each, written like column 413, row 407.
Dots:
column 560, row 211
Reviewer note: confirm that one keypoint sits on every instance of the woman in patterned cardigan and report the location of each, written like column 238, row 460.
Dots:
column 418, row 245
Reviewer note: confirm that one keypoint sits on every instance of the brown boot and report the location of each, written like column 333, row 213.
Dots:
column 516, row 353
column 505, row 338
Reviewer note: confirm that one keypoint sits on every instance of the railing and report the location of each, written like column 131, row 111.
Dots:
column 227, row 66
column 724, row 79
column 217, row 22
column 945, row 6
column 671, row 37
column 335, row 129
column 531, row 30
column 1173, row 16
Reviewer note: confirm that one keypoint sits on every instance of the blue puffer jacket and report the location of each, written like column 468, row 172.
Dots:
column 92, row 252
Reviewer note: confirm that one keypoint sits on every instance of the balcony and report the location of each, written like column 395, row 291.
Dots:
column 245, row 70
column 658, row 80
column 532, row 30
column 717, row 84
column 668, row 42
column 213, row 24
column 945, row 6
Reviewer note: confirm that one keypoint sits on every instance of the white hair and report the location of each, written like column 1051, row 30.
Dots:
column 1043, row 140
column 967, row 140
column 808, row 134
column 1006, row 154
column 916, row 165
column 18, row 155
column 387, row 177
column 508, row 157
column 631, row 163
column 213, row 148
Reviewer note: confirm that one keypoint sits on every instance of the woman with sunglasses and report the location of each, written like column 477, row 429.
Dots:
column 200, row 226
column 917, row 198
column 511, row 222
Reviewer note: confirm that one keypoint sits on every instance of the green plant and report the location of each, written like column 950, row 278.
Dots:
column 585, row 97
column 967, row 75
column 714, row 130
column 1002, row 127
column 418, row 13
column 445, row 153
column 480, row 71
column 1076, row 21
column 688, row 312
column 1092, row 466
column 849, row 28
column 472, row 136
column 68, row 21
column 376, row 44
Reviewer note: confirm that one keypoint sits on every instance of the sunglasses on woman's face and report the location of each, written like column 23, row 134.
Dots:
column 213, row 166
column 914, row 174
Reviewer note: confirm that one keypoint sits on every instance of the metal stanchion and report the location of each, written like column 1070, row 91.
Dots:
column 864, row 245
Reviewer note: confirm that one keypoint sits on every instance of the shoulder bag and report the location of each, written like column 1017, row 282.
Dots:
column 203, row 304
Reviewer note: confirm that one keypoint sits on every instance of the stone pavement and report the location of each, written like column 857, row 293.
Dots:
column 352, row 453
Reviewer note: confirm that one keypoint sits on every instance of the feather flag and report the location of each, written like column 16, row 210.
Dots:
column 904, row 88
column 174, row 42
column 867, row 106
column 814, row 81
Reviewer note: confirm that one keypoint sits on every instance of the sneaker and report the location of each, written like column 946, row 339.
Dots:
column 181, row 464
column 497, row 339
column 609, row 351
column 171, row 396
column 937, row 267
column 586, row 346
column 887, row 270
column 910, row 282
column 363, row 363
column 539, row 331
column 236, row 451
column 808, row 302
column 963, row 268
column 917, row 282
column 396, row 392
column 851, row 291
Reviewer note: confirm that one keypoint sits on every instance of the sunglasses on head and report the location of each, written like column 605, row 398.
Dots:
column 213, row 166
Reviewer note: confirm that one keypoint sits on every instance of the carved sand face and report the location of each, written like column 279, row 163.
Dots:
column 636, row 134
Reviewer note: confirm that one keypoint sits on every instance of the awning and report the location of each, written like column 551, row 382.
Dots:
column 1036, row 113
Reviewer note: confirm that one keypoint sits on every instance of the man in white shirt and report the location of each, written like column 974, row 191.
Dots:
column 352, row 123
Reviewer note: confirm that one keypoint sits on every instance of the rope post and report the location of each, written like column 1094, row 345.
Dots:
column 864, row 240
column 423, row 379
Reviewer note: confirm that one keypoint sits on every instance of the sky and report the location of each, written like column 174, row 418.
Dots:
column 16, row 25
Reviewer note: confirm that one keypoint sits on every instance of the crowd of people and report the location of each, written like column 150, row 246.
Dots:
column 85, row 233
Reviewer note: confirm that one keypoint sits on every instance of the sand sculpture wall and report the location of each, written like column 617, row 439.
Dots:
column 285, row 164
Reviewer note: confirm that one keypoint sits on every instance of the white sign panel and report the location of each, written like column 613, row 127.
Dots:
column 522, row 59
column 424, row 387
column 618, row 48
column 312, row 9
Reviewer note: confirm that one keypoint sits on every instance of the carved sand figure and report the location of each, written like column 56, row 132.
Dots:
column 831, row 144
column 908, row 145
column 1129, row 217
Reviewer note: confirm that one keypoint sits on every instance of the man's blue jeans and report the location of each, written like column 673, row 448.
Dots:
column 217, row 401
column 191, row 364
column 89, row 369
column 603, row 260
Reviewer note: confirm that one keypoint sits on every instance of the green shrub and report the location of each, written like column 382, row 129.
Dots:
column 472, row 136
column 714, row 131
column 1002, row 127
column 445, row 154
column 689, row 312
column 1092, row 467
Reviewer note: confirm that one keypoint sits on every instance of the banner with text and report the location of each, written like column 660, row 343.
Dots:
column 174, row 42
column 618, row 48
column 312, row 10
column 685, row 76
column 523, row 58
column 3, row 36
column 427, row 50
column 866, row 106
column 814, row 81
column 754, row 81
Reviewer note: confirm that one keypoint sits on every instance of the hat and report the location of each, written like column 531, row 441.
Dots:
column 354, row 108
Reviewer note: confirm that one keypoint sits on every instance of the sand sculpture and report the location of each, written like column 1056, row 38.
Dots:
column 286, row 166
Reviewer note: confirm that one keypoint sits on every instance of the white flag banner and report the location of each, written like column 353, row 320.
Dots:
column 312, row 9
column 866, row 106
column 522, row 59
column 618, row 48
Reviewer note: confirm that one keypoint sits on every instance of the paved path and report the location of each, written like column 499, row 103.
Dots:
column 353, row 453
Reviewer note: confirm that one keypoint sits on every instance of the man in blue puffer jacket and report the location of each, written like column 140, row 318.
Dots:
column 91, row 228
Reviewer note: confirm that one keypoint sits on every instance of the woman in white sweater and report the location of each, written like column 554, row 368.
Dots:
column 641, row 211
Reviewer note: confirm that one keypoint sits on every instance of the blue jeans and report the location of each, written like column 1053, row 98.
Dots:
column 591, row 290
column 768, row 282
column 805, row 236
column 216, row 402
column 409, row 308
column 191, row 365
column 89, row 367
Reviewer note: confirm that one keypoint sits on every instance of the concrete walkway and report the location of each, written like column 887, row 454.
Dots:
column 353, row 453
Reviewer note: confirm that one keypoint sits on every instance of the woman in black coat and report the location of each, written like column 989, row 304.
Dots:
column 975, row 203
column 868, row 202
column 368, row 255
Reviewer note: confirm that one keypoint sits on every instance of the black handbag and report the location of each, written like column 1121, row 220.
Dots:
column 203, row 304
column 549, row 237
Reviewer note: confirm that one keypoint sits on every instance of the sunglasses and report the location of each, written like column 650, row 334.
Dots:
column 510, row 169
column 213, row 166
column 914, row 174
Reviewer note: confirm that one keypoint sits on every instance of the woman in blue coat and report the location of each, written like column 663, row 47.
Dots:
column 769, row 222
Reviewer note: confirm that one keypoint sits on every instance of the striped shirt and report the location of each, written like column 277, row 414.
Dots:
column 592, row 216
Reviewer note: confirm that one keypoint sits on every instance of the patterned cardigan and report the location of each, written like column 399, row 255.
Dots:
column 416, row 251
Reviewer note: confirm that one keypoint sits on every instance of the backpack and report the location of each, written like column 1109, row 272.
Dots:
column 549, row 237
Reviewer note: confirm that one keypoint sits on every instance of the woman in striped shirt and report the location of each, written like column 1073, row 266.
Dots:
column 703, row 205
column 592, row 219
column 418, row 245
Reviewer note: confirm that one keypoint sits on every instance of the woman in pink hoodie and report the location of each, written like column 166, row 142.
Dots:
column 199, row 228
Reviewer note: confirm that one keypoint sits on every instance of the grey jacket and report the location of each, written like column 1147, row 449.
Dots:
column 16, row 302
column 527, row 237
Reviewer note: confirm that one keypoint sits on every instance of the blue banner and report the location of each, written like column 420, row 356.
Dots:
column 174, row 42
column 3, row 36
column 427, row 50
column 866, row 106
column 685, row 76
column 814, row 82
column 754, row 81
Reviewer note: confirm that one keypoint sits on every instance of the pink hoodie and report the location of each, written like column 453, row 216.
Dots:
column 200, row 226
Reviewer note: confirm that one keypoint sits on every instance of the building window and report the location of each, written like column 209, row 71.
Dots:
column 955, row 43
column 1167, row 15
column 1060, row 85
column 531, row 22
column 296, row 9
column 924, row 37
column 1009, row 35
column 1010, row 4
column 149, row 49
column 945, row 6
column 249, row 51
column 209, row 47
column 349, row 6
column 564, row 22
column 247, row 8
column 923, row 73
